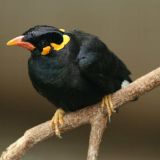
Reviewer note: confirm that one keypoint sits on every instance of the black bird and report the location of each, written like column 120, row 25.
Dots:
column 72, row 69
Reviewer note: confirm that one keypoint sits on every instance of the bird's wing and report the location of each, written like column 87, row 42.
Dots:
column 102, row 67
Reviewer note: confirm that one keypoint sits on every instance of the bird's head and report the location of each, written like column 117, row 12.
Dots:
column 41, row 40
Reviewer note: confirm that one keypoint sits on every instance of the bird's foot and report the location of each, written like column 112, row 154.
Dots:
column 107, row 102
column 57, row 120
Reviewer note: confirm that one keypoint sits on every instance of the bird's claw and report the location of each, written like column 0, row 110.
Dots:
column 57, row 120
column 107, row 102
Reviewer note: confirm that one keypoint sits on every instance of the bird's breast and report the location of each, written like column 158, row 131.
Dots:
column 51, row 76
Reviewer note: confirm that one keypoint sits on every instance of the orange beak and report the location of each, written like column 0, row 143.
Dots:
column 18, row 41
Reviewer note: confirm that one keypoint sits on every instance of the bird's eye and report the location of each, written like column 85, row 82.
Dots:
column 56, row 37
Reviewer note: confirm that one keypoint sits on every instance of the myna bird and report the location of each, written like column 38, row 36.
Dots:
column 72, row 69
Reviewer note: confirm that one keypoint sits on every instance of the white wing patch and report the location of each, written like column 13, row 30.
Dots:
column 125, row 83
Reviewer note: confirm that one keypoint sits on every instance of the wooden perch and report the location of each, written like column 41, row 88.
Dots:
column 94, row 115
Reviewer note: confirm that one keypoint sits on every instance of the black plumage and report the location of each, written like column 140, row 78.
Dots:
column 79, row 74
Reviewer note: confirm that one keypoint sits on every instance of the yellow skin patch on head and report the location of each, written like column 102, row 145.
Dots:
column 46, row 50
column 58, row 47
column 63, row 30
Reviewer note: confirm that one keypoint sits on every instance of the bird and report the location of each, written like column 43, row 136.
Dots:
column 72, row 69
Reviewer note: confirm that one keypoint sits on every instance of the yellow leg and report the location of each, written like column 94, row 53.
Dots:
column 58, row 120
column 107, row 102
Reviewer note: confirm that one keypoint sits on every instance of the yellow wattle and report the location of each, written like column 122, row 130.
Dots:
column 58, row 47
column 46, row 50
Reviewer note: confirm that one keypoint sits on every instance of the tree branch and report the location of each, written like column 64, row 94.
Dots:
column 94, row 115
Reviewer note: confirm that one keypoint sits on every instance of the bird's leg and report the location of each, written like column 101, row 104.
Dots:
column 58, row 120
column 107, row 102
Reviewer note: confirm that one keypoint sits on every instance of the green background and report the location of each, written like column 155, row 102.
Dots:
column 131, row 28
